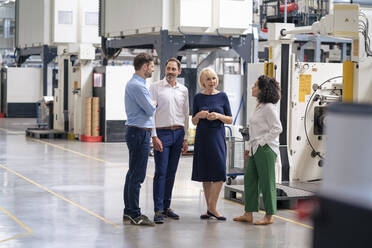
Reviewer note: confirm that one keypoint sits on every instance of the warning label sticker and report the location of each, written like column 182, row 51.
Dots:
column 305, row 87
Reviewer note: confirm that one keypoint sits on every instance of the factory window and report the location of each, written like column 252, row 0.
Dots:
column 65, row 17
column 91, row 18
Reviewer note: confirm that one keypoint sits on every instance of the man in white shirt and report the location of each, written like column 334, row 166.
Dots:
column 169, row 136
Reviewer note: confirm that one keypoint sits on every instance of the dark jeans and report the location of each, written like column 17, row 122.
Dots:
column 138, row 142
column 166, row 164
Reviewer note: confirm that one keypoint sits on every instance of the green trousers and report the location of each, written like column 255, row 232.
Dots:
column 260, row 176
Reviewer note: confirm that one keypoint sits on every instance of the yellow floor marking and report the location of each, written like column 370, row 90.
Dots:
column 151, row 176
column 292, row 221
column 14, row 237
column 66, row 149
column 60, row 197
column 72, row 151
column 275, row 216
column 292, row 211
column 28, row 230
column 175, row 185
column 87, row 156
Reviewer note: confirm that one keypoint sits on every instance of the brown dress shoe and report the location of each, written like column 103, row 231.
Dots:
column 243, row 219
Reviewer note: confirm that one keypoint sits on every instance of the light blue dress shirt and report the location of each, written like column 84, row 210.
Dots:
column 138, row 105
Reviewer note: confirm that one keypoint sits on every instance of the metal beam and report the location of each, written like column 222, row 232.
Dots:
column 29, row 51
column 255, row 45
column 167, row 45
column 133, row 42
column 243, row 46
column 47, row 55
column 166, row 48
column 317, row 45
column 187, row 41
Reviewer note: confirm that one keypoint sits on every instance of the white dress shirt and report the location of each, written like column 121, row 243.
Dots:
column 264, row 128
column 173, row 105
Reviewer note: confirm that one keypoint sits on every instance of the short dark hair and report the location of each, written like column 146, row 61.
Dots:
column 174, row 60
column 269, row 90
column 141, row 59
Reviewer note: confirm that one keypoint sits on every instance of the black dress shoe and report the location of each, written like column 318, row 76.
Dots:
column 212, row 215
column 171, row 214
column 205, row 216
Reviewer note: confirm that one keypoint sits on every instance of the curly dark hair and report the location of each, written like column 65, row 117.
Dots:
column 269, row 90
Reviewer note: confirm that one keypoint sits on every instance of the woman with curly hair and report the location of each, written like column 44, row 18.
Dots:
column 263, row 148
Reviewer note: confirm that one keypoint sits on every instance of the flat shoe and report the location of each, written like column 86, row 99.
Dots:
column 218, row 218
column 205, row 216
column 264, row 222
column 243, row 219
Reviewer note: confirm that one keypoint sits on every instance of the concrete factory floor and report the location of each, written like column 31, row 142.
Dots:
column 60, row 193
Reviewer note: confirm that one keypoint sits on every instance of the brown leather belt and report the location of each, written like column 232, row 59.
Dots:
column 170, row 128
column 143, row 128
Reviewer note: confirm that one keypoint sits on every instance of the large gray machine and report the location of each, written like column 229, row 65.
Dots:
column 21, row 89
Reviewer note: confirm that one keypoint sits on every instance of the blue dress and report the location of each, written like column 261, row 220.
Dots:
column 209, row 164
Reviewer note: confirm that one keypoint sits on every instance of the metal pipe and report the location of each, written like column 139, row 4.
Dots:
column 297, row 30
column 6, row 28
column 285, row 11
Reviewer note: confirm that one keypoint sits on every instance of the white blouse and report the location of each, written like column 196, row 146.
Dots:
column 264, row 128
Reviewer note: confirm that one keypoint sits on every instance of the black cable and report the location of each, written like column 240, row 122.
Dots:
column 307, row 105
column 364, row 30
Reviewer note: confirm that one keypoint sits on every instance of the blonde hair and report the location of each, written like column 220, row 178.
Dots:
column 205, row 73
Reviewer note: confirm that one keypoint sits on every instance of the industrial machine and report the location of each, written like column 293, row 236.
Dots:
column 171, row 30
column 214, row 17
column 307, row 90
column 313, row 86
column 74, row 85
column 346, row 188
column 67, row 30
column 21, row 89
column 349, row 21
column 57, row 21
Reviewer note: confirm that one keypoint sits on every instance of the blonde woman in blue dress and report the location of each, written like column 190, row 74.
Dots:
column 211, row 110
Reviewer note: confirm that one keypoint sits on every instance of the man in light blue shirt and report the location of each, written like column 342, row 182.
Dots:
column 138, row 104
column 140, row 110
